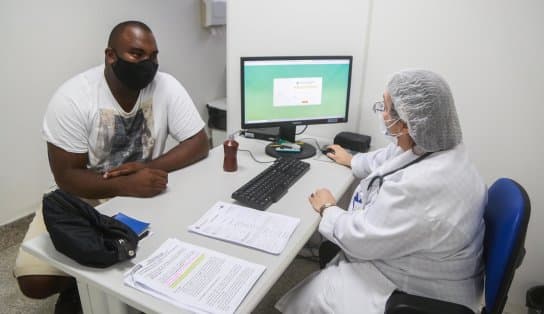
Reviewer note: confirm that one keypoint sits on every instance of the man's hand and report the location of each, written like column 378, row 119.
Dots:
column 131, row 179
column 145, row 182
column 124, row 169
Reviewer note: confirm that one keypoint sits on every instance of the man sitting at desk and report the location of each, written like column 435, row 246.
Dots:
column 106, row 130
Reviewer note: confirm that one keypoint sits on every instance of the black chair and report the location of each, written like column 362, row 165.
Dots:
column 506, row 218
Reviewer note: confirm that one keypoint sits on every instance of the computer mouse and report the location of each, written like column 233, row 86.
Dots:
column 327, row 150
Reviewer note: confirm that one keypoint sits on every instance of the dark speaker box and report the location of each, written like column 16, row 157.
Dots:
column 217, row 118
column 267, row 134
column 353, row 141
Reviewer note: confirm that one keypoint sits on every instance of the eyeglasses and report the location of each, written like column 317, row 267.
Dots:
column 378, row 106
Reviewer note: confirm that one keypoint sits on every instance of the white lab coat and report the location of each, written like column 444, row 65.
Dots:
column 421, row 233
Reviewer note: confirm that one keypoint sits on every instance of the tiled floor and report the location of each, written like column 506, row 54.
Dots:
column 12, row 301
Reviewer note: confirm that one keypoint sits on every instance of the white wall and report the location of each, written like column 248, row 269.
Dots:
column 298, row 28
column 491, row 53
column 46, row 42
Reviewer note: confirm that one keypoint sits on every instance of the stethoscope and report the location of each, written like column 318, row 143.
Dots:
column 380, row 177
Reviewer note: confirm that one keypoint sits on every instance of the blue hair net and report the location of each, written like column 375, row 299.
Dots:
column 423, row 100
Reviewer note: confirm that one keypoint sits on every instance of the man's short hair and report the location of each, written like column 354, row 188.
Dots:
column 119, row 28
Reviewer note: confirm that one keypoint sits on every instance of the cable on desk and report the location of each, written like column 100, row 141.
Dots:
column 302, row 139
column 318, row 147
column 313, row 139
column 303, row 130
column 253, row 157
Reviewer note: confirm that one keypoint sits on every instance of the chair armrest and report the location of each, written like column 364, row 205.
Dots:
column 403, row 303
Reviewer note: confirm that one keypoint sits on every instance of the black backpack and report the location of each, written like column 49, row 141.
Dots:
column 80, row 232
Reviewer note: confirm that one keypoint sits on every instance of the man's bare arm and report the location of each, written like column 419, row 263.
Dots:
column 71, row 175
column 185, row 153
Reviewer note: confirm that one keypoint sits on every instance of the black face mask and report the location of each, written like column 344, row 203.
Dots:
column 134, row 75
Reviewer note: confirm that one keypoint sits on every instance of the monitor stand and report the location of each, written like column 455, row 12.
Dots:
column 288, row 133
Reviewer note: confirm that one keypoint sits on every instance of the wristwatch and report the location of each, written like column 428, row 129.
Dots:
column 323, row 207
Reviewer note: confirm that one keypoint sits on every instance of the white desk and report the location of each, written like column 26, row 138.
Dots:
column 191, row 192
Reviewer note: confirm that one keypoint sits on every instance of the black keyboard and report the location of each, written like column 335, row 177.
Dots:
column 271, row 184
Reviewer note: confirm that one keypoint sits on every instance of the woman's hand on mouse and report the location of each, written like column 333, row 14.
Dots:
column 340, row 155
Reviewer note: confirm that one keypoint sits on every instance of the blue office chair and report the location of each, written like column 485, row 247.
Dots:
column 506, row 218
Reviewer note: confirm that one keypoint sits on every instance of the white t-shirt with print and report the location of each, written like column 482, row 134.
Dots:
column 84, row 117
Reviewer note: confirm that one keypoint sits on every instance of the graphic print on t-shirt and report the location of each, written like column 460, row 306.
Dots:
column 122, row 138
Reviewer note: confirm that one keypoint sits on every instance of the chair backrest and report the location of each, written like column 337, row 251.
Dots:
column 506, row 218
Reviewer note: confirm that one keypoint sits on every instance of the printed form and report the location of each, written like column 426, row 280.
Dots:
column 265, row 231
column 194, row 278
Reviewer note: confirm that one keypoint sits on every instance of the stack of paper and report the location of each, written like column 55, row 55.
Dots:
column 265, row 231
column 195, row 278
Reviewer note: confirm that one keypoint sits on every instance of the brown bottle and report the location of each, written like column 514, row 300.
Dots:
column 230, row 146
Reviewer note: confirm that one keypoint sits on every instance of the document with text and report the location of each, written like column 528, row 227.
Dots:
column 265, row 231
column 194, row 278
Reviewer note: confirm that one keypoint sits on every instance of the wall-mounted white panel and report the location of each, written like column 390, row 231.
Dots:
column 296, row 28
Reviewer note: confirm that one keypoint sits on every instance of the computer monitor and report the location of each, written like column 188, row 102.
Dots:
column 288, row 91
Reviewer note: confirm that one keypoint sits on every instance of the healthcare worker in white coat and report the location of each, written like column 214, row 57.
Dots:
column 415, row 222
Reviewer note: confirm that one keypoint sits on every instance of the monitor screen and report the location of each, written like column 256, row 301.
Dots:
column 288, row 91
column 278, row 91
